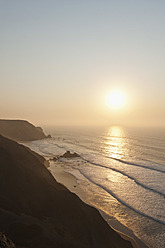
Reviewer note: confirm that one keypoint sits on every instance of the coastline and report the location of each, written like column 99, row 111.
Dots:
column 37, row 211
column 70, row 181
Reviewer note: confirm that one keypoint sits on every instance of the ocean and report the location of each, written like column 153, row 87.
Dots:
column 122, row 171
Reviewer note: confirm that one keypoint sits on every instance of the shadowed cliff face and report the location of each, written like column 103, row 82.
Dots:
column 36, row 211
column 20, row 130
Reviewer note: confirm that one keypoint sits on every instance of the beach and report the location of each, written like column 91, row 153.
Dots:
column 122, row 176
column 71, row 182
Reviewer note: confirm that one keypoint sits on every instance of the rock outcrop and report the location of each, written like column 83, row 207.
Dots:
column 67, row 154
column 5, row 242
column 37, row 211
column 21, row 130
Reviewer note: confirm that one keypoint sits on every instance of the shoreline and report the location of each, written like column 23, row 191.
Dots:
column 70, row 181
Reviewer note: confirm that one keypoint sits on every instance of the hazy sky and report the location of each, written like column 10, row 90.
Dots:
column 59, row 59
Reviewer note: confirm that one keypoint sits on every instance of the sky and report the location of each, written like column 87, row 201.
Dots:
column 61, row 58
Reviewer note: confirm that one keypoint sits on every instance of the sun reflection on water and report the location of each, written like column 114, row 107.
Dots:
column 114, row 177
column 115, row 144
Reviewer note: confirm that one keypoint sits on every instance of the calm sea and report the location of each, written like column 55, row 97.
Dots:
column 121, row 169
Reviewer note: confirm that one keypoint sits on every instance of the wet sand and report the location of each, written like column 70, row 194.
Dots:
column 70, row 182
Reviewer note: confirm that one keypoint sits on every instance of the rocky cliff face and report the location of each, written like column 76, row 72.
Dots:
column 36, row 211
column 20, row 130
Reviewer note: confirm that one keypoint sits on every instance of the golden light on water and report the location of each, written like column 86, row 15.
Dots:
column 115, row 146
column 114, row 177
column 115, row 132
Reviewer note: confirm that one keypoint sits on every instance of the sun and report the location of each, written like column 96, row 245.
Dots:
column 116, row 99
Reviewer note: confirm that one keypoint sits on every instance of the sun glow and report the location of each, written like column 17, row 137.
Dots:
column 116, row 99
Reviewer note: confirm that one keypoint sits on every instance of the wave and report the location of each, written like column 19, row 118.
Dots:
column 154, row 148
column 75, row 144
column 121, row 201
column 150, row 161
column 45, row 152
column 134, row 164
column 42, row 150
column 97, row 151
column 52, row 143
column 125, row 174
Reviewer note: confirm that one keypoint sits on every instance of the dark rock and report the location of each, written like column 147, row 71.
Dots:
column 5, row 242
column 55, row 158
column 68, row 154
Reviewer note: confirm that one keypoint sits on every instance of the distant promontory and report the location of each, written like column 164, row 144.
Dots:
column 21, row 130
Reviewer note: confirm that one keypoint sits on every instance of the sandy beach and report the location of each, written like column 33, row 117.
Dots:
column 71, row 183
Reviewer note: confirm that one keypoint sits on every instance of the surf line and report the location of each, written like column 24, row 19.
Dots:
column 121, row 201
column 124, row 174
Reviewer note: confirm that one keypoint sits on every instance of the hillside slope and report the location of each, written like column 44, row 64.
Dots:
column 20, row 130
column 37, row 211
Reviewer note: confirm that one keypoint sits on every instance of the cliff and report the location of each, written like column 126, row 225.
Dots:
column 37, row 211
column 20, row 130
